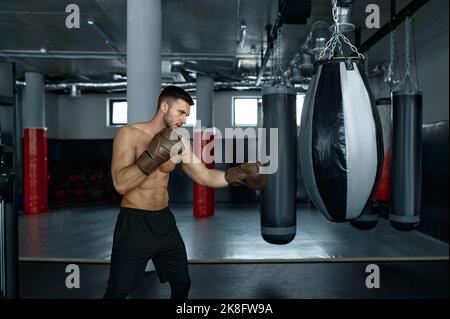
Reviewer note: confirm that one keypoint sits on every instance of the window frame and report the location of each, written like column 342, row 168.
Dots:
column 109, row 111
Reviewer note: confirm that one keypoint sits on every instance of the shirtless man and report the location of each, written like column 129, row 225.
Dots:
column 145, row 227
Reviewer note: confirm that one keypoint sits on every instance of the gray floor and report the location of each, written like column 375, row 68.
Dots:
column 232, row 234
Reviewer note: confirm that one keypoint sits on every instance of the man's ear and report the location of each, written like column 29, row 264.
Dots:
column 164, row 106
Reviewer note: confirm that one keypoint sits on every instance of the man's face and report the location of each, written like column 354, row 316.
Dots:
column 177, row 111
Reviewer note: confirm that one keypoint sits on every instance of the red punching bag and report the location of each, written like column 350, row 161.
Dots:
column 383, row 192
column 204, row 150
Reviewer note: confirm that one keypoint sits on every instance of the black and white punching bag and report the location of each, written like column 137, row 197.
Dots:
column 278, row 198
column 382, row 195
column 341, row 140
column 406, row 166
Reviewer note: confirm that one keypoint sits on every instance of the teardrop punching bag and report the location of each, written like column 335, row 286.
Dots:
column 278, row 198
column 406, row 159
column 340, row 134
column 369, row 217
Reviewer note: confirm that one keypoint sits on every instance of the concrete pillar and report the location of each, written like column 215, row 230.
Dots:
column 34, row 100
column 205, row 100
column 144, row 25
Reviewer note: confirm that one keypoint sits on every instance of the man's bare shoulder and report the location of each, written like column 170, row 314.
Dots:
column 130, row 131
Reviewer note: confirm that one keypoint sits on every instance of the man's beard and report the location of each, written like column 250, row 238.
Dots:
column 168, row 123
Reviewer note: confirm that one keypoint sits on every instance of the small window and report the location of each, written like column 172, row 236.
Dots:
column 245, row 111
column 192, row 118
column 118, row 109
column 299, row 106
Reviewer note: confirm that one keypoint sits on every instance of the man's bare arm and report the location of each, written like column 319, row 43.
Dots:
column 125, row 174
column 245, row 174
column 196, row 170
column 214, row 178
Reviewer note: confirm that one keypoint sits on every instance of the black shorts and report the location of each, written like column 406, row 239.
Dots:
column 142, row 235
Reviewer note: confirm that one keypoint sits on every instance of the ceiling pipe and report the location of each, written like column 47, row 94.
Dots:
column 111, row 55
column 62, row 86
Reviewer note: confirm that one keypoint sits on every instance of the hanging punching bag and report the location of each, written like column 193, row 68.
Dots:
column 203, row 204
column 406, row 159
column 369, row 217
column 278, row 198
column 340, row 136
column 383, row 193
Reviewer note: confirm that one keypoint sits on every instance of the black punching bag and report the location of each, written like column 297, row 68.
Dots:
column 406, row 165
column 278, row 198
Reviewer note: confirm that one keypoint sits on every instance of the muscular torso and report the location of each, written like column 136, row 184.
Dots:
column 152, row 193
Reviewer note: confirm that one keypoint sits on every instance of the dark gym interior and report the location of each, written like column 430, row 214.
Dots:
column 355, row 207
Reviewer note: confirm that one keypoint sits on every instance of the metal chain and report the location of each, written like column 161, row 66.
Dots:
column 272, row 57
column 279, row 71
column 408, row 49
column 278, row 62
column 390, row 73
column 352, row 47
column 366, row 64
column 331, row 44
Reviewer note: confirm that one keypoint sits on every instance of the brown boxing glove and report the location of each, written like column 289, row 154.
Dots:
column 158, row 151
column 246, row 174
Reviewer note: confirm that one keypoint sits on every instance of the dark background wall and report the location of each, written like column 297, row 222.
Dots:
column 80, row 174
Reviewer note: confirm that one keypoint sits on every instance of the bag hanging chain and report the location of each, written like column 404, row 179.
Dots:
column 278, row 72
column 390, row 72
column 408, row 53
column 335, row 38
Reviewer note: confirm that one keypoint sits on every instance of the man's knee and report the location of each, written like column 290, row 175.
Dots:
column 180, row 289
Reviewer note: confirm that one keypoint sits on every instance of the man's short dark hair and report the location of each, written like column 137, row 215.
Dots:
column 174, row 92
